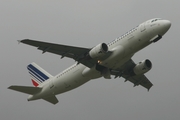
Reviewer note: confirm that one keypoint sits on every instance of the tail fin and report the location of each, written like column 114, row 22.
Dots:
column 38, row 74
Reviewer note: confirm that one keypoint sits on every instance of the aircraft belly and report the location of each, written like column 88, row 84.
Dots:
column 121, row 62
column 91, row 73
column 118, row 54
column 121, row 54
column 70, row 80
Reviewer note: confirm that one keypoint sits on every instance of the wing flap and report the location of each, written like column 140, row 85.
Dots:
column 140, row 80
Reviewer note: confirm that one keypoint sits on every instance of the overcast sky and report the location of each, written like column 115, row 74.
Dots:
column 86, row 23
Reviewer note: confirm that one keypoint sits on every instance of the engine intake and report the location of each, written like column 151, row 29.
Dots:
column 98, row 51
column 142, row 67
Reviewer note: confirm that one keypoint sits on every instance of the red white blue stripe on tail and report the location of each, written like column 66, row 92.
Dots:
column 38, row 75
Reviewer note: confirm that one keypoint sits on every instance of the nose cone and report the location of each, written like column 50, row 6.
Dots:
column 165, row 25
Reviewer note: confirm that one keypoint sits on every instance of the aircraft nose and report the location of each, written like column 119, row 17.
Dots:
column 165, row 25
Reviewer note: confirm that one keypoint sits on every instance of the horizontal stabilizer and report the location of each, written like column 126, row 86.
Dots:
column 51, row 99
column 25, row 89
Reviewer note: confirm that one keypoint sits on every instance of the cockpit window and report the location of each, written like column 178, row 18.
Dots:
column 155, row 20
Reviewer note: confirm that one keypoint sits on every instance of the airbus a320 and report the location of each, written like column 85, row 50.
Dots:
column 103, row 60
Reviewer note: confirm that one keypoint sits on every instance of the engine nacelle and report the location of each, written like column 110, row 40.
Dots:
column 98, row 51
column 142, row 67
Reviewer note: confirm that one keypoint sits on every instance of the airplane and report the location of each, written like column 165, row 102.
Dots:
column 103, row 60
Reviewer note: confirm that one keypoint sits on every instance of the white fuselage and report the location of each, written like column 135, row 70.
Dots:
column 122, row 48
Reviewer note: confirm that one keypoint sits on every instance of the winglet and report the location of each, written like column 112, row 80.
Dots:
column 19, row 41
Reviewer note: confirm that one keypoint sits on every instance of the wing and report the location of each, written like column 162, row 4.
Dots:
column 140, row 80
column 76, row 53
column 125, row 72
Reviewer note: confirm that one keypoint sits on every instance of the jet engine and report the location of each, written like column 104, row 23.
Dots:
column 98, row 51
column 142, row 67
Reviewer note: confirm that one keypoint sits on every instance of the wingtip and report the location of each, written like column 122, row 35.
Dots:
column 19, row 41
column 22, row 41
column 149, row 88
column 10, row 87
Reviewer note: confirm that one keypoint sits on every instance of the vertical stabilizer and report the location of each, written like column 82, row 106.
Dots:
column 38, row 75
